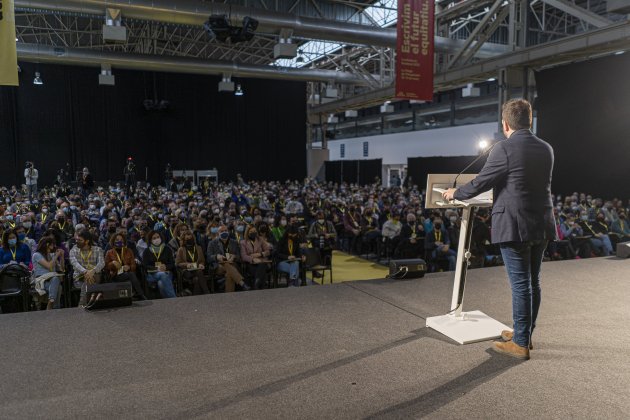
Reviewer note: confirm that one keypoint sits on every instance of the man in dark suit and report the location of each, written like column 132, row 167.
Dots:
column 519, row 172
column 222, row 255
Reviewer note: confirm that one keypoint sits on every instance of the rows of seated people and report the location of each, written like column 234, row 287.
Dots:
column 179, row 242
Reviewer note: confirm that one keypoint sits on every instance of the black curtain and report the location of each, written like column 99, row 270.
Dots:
column 353, row 171
column 369, row 170
column 583, row 113
column 418, row 168
column 71, row 119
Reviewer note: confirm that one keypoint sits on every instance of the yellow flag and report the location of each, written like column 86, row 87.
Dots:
column 8, row 54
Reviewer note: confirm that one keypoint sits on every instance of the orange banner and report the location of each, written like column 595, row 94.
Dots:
column 414, row 50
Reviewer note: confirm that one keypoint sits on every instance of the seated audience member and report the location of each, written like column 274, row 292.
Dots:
column 20, row 231
column 191, row 260
column 279, row 229
column 323, row 236
column 290, row 256
column 370, row 231
column 65, row 226
column 223, row 255
column 87, row 262
column 391, row 231
column 120, row 262
column 160, row 265
column 49, row 259
column 621, row 228
column 598, row 230
column 13, row 250
column 351, row 222
column 412, row 238
column 454, row 228
column 255, row 253
column 573, row 232
column 438, row 243
column 177, row 240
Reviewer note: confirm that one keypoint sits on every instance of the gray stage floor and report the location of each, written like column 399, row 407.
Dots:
column 352, row 350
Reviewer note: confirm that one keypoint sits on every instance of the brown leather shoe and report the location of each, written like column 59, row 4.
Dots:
column 508, row 335
column 510, row 348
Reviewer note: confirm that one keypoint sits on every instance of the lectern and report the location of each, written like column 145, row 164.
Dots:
column 462, row 327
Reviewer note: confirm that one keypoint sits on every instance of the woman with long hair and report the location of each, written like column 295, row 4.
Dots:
column 49, row 259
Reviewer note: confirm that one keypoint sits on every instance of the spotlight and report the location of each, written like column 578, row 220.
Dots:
column 38, row 80
column 239, row 91
column 483, row 144
column 219, row 27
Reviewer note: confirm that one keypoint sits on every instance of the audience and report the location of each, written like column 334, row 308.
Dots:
column 236, row 235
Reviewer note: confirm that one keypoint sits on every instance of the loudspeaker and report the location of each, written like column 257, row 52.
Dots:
column 108, row 295
column 623, row 249
column 407, row 269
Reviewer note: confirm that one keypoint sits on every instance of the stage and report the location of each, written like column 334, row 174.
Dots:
column 351, row 350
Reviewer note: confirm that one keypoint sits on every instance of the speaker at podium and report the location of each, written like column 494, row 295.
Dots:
column 462, row 327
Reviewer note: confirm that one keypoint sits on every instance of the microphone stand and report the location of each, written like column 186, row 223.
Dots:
column 473, row 162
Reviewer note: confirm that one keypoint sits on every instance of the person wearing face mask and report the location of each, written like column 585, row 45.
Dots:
column 438, row 243
column 621, row 228
column 87, row 261
column 600, row 241
column 13, row 251
column 278, row 230
column 64, row 225
column 412, row 237
column 120, row 263
column 191, row 260
column 159, row 263
column 290, row 256
column 255, row 253
column 20, row 231
column 223, row 255
column 48, row 259
column 322, row 233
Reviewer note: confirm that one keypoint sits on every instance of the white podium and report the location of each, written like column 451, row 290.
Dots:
column 462, row 327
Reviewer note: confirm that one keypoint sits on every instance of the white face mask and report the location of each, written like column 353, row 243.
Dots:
column 283, row 222
column 453, row 219
column 156, row 242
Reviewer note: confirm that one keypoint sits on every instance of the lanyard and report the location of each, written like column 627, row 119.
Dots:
column 290, row 245
column 44, row 216
column 438, row 235
column 13, row 253
column 193, row 255
column 157, row 256
column 61, row 227
column 86, row 260
column 122, row 251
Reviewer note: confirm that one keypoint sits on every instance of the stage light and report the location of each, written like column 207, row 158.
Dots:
column 483, row 144
column 239, row 91
column 38, row 80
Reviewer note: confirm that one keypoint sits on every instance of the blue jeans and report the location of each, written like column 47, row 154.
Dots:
column 53, row 287
column 291, row 267
column 450, row 255
column 164, row 282
column 602, row 245
column 522, row 263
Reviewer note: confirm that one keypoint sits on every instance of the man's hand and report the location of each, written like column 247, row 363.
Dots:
column 448, row 194
column 126, row 268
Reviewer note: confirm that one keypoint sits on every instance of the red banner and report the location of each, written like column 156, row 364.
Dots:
column 414, row 50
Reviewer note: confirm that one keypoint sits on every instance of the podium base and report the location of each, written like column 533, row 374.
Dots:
column 469, row 327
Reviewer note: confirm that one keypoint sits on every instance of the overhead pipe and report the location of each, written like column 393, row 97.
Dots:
column 187, row 12
column 85, row 57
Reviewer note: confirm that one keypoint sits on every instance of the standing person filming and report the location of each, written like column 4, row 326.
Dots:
column 519, row 172
column 31, row 174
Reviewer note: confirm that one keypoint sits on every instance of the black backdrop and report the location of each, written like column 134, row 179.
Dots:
column 418, row 168
column 354, row 171
column 73, row 119
column 584, row 113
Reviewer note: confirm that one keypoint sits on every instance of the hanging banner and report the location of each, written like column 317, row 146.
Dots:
column 414, row 50
column 8, row 54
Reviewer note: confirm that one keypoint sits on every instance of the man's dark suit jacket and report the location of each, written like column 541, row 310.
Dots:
column 215, row 247
column 519, row 172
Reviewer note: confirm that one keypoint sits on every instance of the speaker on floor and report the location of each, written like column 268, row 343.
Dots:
column 108, row 295
column 623, row 249
column 407, row 269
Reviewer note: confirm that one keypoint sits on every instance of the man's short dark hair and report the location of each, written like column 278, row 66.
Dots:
column 517, row 113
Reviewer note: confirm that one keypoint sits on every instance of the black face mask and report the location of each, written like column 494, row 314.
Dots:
column 253, row 236
column 438, row 226
column 190, row 242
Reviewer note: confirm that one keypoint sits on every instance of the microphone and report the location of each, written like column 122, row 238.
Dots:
column 473, row 162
